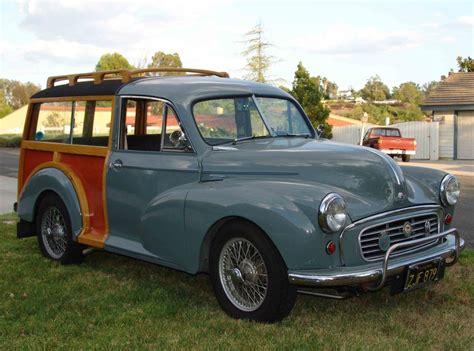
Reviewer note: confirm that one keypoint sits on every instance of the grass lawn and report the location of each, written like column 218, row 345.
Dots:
column 113, row 302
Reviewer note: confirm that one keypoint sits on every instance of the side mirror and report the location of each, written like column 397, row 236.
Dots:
column 320, row 129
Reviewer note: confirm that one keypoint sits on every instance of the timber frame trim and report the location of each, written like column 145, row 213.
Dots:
column 127, row 75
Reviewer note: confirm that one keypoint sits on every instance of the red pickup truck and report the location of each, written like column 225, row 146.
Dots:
column 390, row 141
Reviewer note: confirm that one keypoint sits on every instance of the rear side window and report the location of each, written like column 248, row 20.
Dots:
column 73, row 122
column 54, row 122
column 92, row 123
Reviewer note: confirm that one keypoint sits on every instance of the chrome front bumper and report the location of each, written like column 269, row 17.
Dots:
column 374, row 277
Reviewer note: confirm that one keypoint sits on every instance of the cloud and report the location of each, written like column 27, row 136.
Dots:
column 467, row 21
column 342, row 39
column 60, row 49
column 118, row 23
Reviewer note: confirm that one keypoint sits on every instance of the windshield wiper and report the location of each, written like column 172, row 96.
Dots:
column 236, row 140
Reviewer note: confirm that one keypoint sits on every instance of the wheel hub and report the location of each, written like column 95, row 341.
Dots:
column 249, row 271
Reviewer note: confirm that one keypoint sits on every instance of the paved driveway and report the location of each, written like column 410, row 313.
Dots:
column 8, row 182
column 464, row 170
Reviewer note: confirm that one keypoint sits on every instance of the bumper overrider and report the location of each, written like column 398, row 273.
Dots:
column 374, row 276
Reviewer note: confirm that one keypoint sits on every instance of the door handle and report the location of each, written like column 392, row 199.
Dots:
column 116, row 164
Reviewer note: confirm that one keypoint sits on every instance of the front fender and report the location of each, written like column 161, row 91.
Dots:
column 50, row 179
column 423, row 184
column 285, row 211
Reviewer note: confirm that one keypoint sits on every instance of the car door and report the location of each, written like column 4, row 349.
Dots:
column 146, row 182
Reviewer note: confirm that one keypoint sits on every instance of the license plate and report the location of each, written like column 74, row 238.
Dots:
column 422, row 274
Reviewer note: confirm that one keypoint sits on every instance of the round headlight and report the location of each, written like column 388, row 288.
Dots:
column 332, row 213
column 449, row 190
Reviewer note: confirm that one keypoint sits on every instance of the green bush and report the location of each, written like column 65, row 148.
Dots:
column 10, row 140
column 378, row 113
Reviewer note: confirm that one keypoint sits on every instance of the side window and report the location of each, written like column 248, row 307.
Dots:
column 154, row 117
column 175, row 138
column 142, row 125
column 366, row 136
column 92, row 123
column 73, row 122
column 54, row 122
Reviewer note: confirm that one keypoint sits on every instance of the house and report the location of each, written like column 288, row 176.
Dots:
column 452, row 105
column 345, row 95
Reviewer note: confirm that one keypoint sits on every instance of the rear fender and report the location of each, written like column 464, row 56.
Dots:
column 54, row 180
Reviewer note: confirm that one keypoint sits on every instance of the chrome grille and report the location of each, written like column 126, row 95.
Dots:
column 421, row 226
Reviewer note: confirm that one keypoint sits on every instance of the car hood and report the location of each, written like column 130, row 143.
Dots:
column 370, row 181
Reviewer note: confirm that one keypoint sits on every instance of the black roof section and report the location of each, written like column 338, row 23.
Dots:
column 107, row 87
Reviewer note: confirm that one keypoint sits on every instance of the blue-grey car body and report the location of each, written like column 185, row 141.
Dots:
column 163, row 206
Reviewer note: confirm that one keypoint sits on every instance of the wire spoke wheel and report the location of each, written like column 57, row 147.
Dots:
column 243, row 274
column 54, row 232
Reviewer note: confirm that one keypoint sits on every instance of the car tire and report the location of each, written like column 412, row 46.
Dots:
column 248, row 275
column 406, row 158
column 53, row 227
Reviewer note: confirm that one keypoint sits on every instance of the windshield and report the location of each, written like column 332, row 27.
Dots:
column 226, row 120
column 386, row 132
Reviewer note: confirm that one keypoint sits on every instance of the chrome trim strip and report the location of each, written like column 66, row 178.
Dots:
column 377, row 216
column 326, row 278
column 408, row 216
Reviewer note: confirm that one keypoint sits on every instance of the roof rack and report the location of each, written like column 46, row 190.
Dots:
column 126, row 75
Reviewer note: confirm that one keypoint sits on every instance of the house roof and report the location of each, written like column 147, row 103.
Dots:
column 340, row 121
column 455, row 92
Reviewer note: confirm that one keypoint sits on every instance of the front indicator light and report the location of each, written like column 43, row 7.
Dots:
column 330, row 248
column 448, row 219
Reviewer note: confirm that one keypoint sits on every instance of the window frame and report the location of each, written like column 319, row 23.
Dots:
column 118, row 147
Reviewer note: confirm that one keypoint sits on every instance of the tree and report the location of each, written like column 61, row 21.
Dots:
column 408, row 92
column 375, row 90
column 161, row 59
column 308, row 94
column 113, row 61
column 328, row 88
column 5, row 108
column 17, row 94
column 465, row 64
column 258, row 61
column 428, row 87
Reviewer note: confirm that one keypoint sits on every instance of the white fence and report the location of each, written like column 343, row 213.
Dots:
column 426, row 135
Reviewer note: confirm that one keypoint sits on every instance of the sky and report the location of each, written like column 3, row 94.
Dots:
column 345, row 41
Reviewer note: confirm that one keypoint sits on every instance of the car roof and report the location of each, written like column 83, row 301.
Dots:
column 185, row 89
column 178, row 89
column 107, row 87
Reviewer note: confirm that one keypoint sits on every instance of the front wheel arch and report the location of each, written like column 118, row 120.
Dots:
column 214, row 230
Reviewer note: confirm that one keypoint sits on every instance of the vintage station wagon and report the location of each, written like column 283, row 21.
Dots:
column 203, row 173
